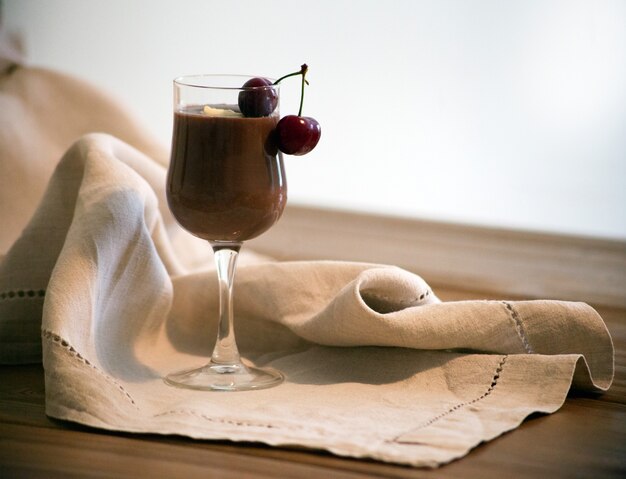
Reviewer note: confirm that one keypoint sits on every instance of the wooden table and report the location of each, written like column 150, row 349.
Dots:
column 585, row 438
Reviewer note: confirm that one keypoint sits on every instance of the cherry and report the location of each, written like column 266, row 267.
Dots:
column 258, row 98
column 297, row 135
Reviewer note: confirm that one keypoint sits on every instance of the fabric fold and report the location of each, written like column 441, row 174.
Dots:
column 376, row 365
column 100, row 287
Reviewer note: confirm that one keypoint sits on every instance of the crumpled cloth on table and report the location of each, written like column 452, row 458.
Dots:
column 105, row 289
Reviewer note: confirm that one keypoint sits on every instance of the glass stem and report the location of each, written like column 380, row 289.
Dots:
column 225, row 352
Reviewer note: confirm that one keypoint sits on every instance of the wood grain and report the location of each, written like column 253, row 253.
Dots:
column 529, row 264
column 585, row 438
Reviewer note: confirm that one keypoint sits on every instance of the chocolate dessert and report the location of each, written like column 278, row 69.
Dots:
column 226, row 181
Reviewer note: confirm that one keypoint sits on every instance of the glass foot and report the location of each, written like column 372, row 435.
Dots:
column 225, row 377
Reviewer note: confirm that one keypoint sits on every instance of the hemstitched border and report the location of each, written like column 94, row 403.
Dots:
column 64, row 344
column 494, row 382
column 519, row 327
column 410, row 301
column 22, row 294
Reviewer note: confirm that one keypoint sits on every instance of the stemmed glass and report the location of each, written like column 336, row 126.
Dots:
column 225, row 184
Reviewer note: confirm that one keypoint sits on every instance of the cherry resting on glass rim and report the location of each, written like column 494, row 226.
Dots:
column 226, row 181
column 297, row 135
column 260, row 100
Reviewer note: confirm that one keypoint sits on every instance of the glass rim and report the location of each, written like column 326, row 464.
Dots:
column 200, row 81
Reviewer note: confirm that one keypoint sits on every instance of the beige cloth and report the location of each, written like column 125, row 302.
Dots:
column 41, row 114
column 376, row 365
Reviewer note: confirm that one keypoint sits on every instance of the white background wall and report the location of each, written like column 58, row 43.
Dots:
column 482, row 111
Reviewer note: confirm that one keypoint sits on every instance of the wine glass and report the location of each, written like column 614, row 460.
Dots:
column 225, row 184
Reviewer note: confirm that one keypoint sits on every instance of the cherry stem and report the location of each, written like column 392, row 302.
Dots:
column 303, row 69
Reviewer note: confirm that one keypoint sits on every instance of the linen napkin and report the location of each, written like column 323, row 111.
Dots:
column 42, row 112
column 376, row 365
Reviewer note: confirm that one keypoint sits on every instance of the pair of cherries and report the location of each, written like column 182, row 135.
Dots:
column 295, row 134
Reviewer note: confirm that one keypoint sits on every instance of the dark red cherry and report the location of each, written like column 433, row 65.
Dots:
column 258, row 99
column 297, row 135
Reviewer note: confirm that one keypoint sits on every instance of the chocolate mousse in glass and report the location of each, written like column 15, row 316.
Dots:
column 225, row 184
